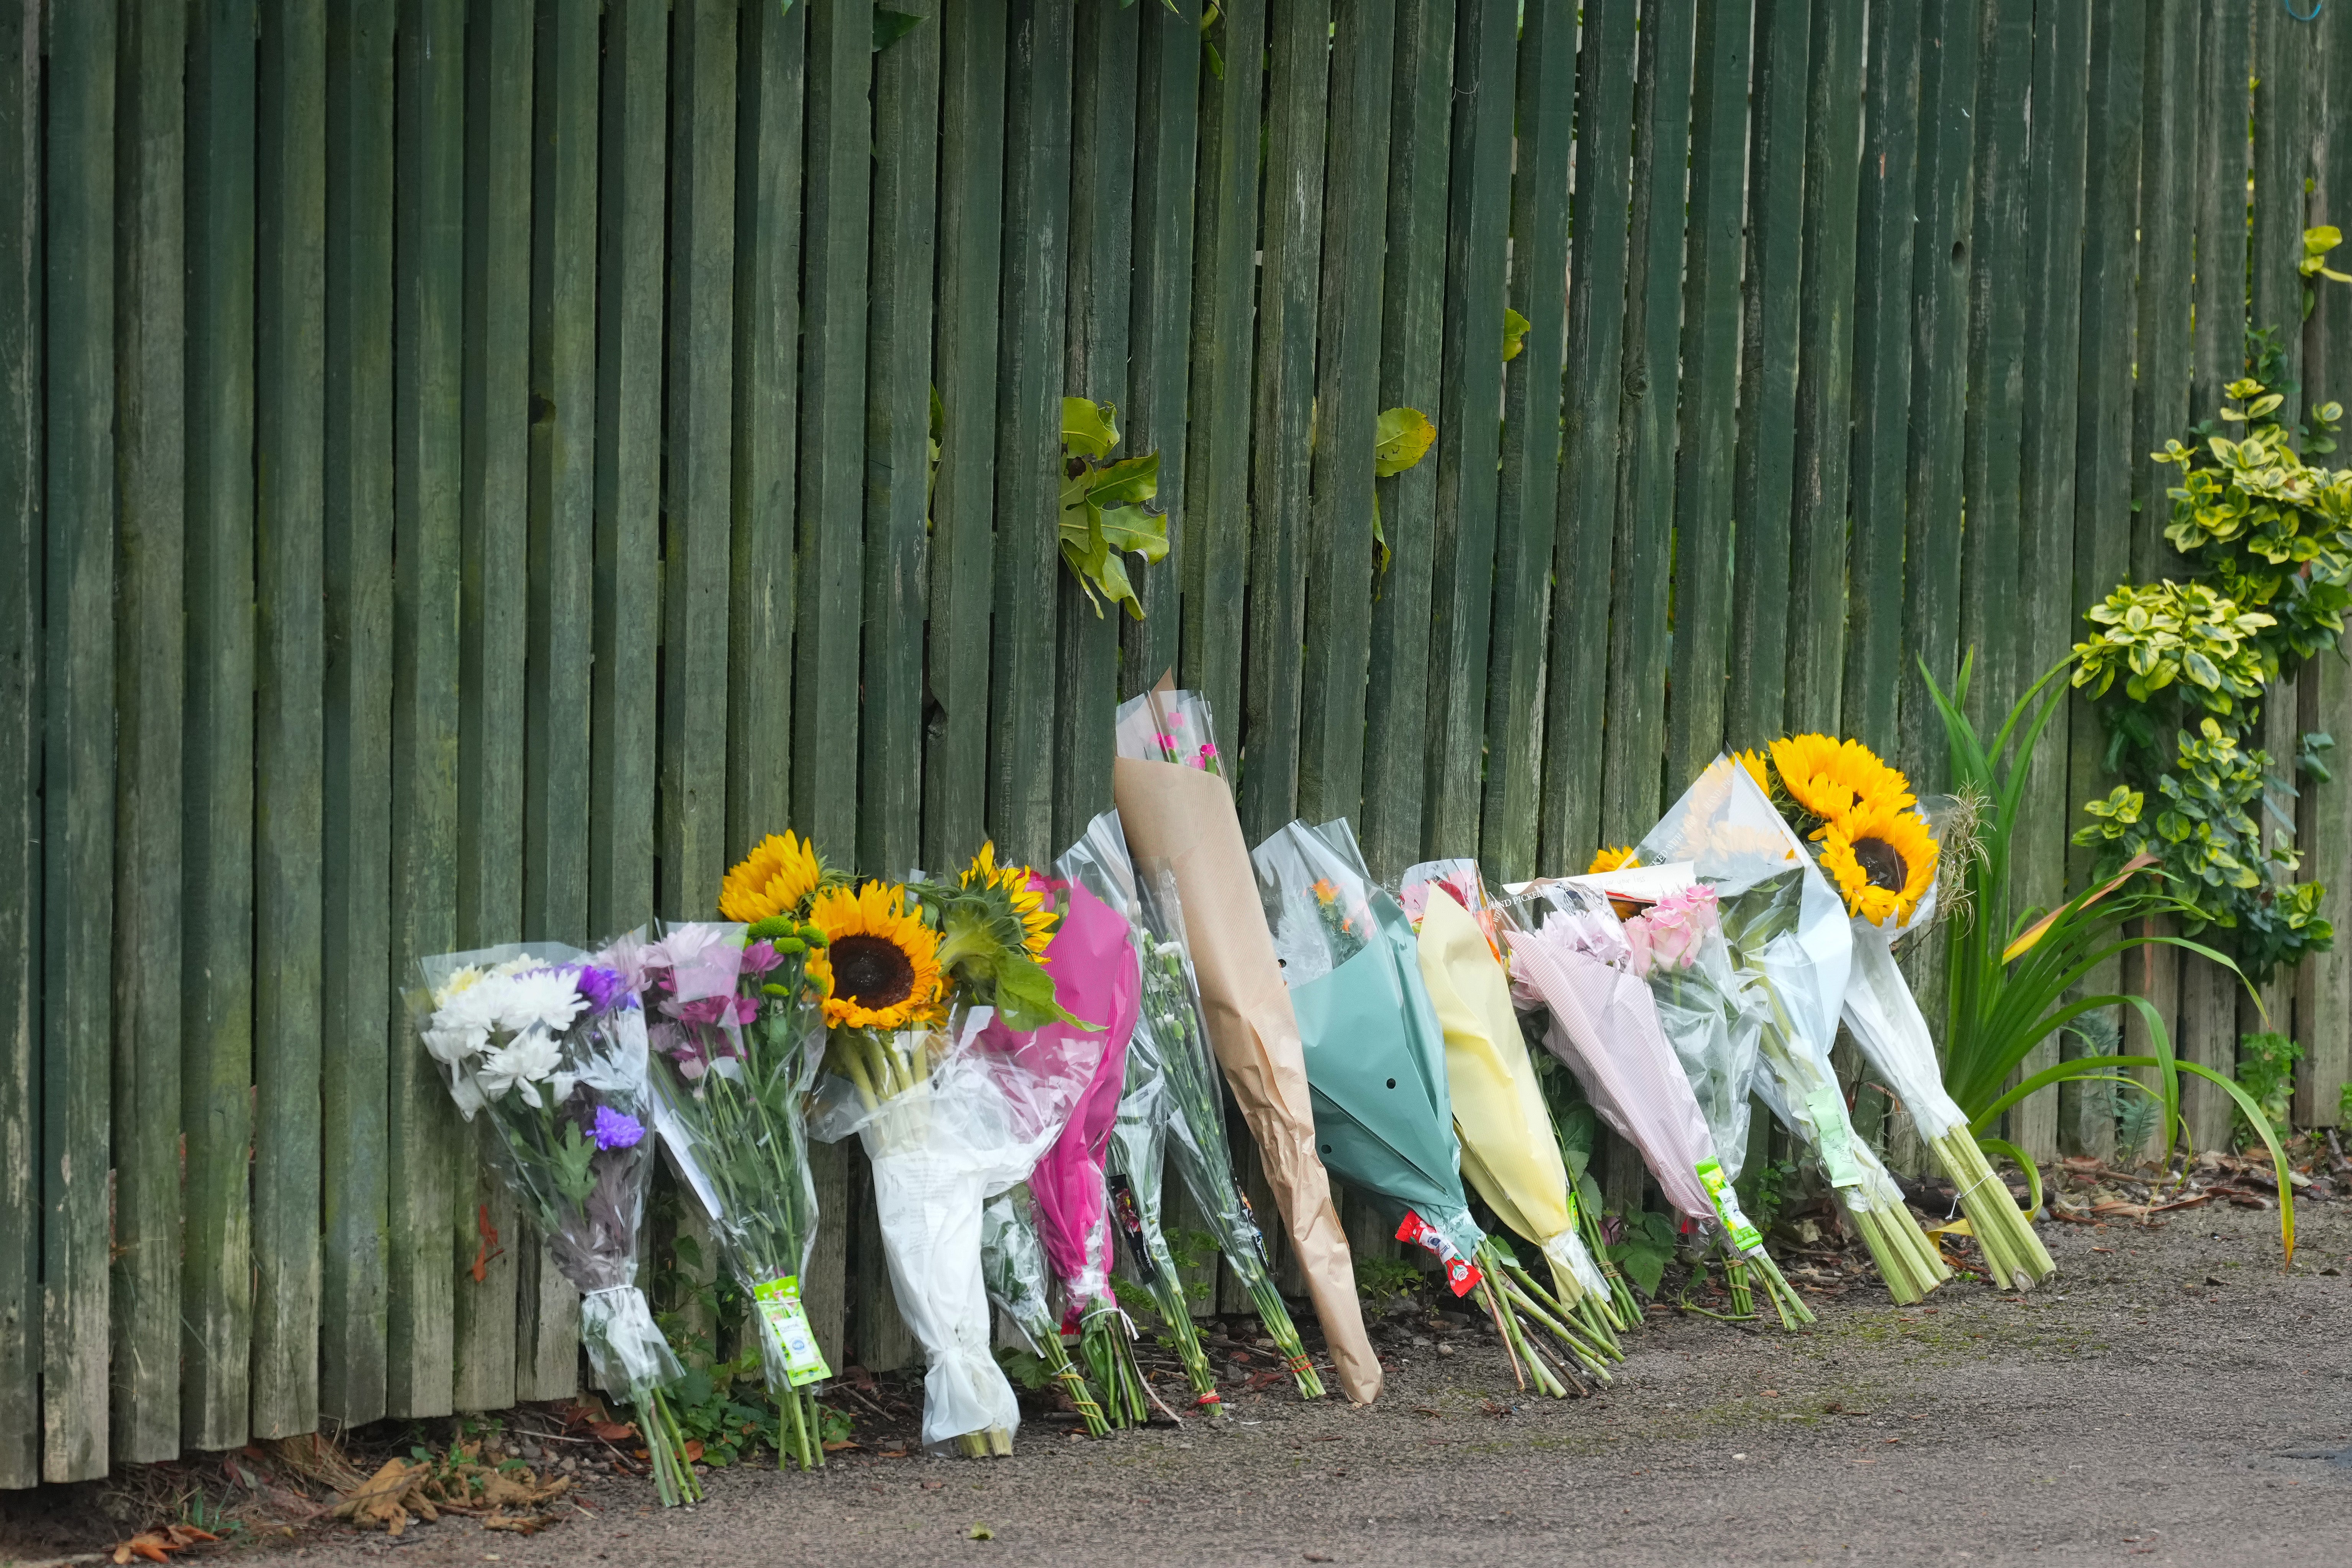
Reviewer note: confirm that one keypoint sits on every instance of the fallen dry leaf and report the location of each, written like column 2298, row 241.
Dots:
column 154, row 1544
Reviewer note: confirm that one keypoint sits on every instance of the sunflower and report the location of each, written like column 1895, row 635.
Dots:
column 1760, row 767
column 1883, row 858
column 879, row 967
column 1038, row 922
column 1611, row 860
column 1825, row 776
column 776, row 878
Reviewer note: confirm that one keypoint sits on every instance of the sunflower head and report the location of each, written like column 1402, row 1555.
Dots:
column 775, row 880
column 1760, row 767
column 879, row 966
column 1011, row 882
column 1823, row 777
column 1882, row 857
column 1611, row 860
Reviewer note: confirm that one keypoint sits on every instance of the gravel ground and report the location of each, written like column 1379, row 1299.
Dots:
column 2172, row 1398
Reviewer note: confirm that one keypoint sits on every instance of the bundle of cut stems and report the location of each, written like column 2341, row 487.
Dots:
column 1012, row 1262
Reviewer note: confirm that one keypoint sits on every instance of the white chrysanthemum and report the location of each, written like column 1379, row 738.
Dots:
column 549, row 999
column 461, row 980
column 454, row 1045
column 472, row 1011
column 519, row 1063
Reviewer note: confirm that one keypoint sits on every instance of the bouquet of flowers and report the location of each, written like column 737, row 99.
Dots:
column 1791, row 946
column 552, row 1047
column 737, row 1030
column 1571, row 956
column 1179, row 814
column 1094, row 968
column 1194, row 1107
column 947, row 1119
column 1861, row 823
column 1139, row 1135
column 1013, row 1265
column 1510, row 1150
column 1376, row 1064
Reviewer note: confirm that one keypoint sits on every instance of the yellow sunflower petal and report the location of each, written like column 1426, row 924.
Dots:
column 1881, row 858
column 1611, row 860
column 882, row 951
column 1759, row 767
column 775, row 878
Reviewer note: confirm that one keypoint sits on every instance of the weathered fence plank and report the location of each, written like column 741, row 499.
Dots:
column 289, row 337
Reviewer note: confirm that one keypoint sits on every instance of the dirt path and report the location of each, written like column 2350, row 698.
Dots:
column 2134, row 1412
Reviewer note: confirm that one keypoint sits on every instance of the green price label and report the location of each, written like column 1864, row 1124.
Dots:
column 779, row 1301
column 1833, row 1134
column 1727, row 1206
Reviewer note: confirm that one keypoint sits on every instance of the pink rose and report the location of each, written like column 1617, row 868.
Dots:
column 1671, row 931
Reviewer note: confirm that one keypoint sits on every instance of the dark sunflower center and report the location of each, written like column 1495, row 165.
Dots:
column 871, row 971
column 1880, row 864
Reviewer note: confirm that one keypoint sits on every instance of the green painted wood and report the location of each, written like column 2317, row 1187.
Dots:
column 1468, row 449
column 355, row 929
column 2283, row 135
column 878, row 1336
column 698, row 460
column 1413, row 324
column 632, row 201
column 493, row 641
column 1817, row 571
column 149, row 393
column 1704, row 564
column 1029, row 371
column 1339, row 565
column 1996, row 360
column 1584, row 543
column 430, row 1217
column 20, row 743
column 2225, row 164
column 773, row 45
column 1527, row 496
column 964, row 497
column 1215, row 522
column 289, row 337
column 1763, row 468
column 1941, row 279
column 1104, row 112
column 77, row 298
column 2167, row 221
column 838, row 178
column 1631, row 770
column 1290, row 241
column 1167, row 146
column 2055, row 198
column 1882, row 380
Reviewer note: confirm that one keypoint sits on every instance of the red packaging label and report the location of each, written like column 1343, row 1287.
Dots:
column 1461, row 1275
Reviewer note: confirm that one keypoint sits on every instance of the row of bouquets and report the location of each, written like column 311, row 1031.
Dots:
column 1023, row 1052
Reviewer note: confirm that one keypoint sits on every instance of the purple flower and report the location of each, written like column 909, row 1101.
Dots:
column 703, row 1009
column 616, row 1129
column 760, row 956
column 747, row 1012
column 605, row 989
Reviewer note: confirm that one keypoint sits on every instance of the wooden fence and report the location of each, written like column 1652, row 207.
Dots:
column 466, row 472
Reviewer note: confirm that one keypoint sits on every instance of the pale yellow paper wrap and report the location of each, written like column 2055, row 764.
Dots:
column 1509, row 1151
column 1184, row 817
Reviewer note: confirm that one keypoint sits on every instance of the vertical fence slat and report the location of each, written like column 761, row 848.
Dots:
column 1940, row 280
column 2055, row 205
column 2282, row 133
column 633, row 172
column 356, row 931
column 1412, row 307
column 1527, row 513
column 1996, row 360
column 1283, row 416
column 148, row 390
column 428, row 1145
column 1462, row 586
column 1710, row 361
column 20, row 743
column 1577, row 670
column 773, row 50
column 898, row 437
column 1029, row 367
column 1632, row 775
column 493, row 641
column 1225, row 296
column 1825, row 370
column 1882, row 379
column 77, row 753
column 290, row 365
column 698, row 519
column 832, row 421
column 1103, row 112
column 1338, row 565
column 1763, row 468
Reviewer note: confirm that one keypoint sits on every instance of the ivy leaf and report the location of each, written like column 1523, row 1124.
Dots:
column 889, row 27
column 1090, row 429
column 1401, row 439
column 1515, row 334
